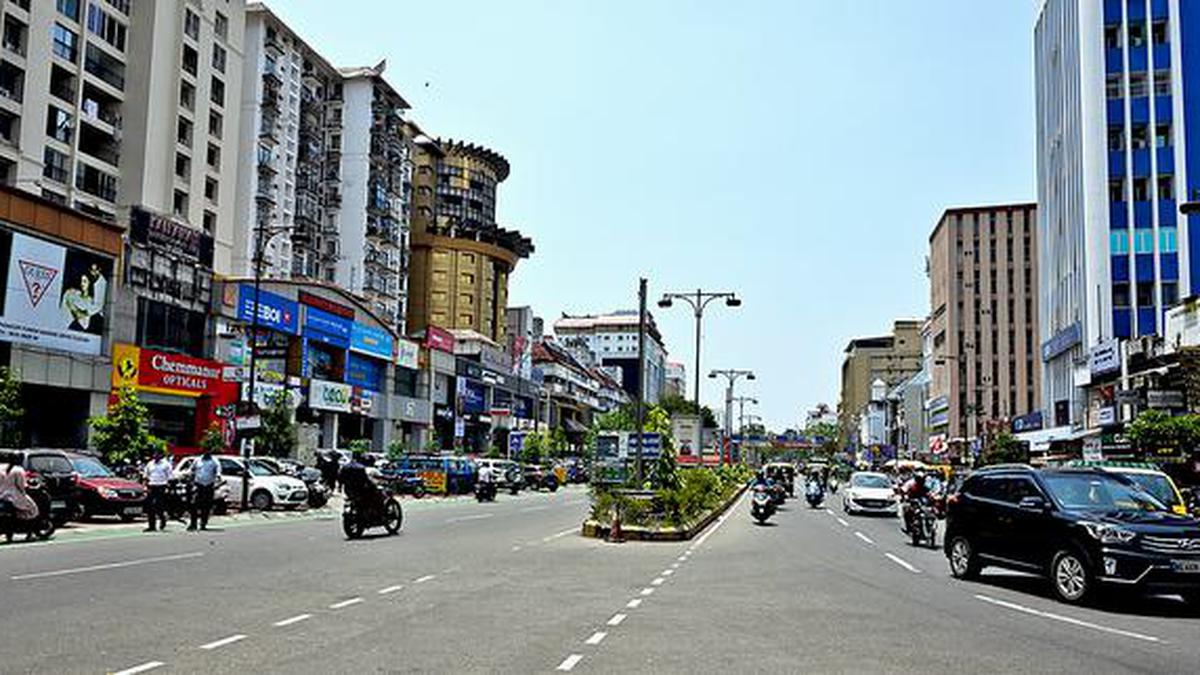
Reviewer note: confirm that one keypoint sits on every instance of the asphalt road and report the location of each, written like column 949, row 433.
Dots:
column 511, row 587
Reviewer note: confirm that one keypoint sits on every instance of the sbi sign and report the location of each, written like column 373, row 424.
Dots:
column 274, row 311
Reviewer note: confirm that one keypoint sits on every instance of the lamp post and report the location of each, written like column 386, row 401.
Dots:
column 731, row 375
column 698, row 301
column 742, row 401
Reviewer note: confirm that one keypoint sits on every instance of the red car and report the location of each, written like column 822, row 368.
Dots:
column 100, row 492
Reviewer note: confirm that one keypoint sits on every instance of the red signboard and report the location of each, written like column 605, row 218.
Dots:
column 439, row 339
column 160, row 371
column 330, row 306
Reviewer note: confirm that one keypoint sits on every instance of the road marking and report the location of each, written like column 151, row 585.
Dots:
column 533, row 508
column 901, row 562
column 720, row 521
column 864, row 537
column 105, row 566
column 647, row 591
column 1067, row 619
column 141, row 668
column 215, row 644
column 674, row 565
column 658, row 581
column 427, row 577
column 390, row 589
column 295, row 619
column 667, row 573
column 843, row 522
column 829, row 511
column 559, row 535
column 481, row 516
column 634, row 603
column 569, row 662
column 616, row 620
column 682, row 558
column 596, row 638
column 516, row 548
column 345, row 603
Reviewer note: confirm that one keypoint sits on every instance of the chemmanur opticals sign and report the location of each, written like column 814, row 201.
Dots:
column 333, row 396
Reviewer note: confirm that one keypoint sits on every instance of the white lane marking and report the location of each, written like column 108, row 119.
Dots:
column 596, row 638
column 901, row 562
column 682, row 558
column 516, row 548
column 647, row 591
column 533, row 508
column 616, row 620
column 295, row 619
column 829, row 511
column 658, row 581
column 105, row 566
column 674, row 565
column 345, row 603
column 667, row 573
column 634, row 603
column 141, row 668
column 720, row 521
column 559, row 535
column 1067, row 619
column 843, row 522
column 427, row 577
column 864, row 537
column 216, row 644
column 390, row 589
column 481, row 516
column 569, row 662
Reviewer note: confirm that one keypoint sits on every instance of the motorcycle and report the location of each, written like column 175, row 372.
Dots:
column 833, row 486
column 40, row 527
column 814, row 494
column 762, row 506
column 922, row 527
column 377, row 508
column 318, row 494
column 485, row 491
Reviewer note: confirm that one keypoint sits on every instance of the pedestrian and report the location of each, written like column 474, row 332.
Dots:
column 12, row 488
column 204, row 482
column 329, row 469
column 157, row 475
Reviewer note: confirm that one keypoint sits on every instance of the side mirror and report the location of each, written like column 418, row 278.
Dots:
column 1036, row 504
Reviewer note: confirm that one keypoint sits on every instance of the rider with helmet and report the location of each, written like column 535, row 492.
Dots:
column 913, row 490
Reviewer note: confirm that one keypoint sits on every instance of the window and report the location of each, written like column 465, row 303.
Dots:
column 106, row 27
column 1119, row 242
column 1112, row 36
column 56, row 166
column 1138, row 87
column 187, row 95
column 218, row 58
column 210, row 222
column 1166, row 187
column 163, row 326
column 1137, row 34
column 191, row 24
column 214, row 156
column 1116, row 138
column 1145, row 294
column 1170, row 293
column 217, row 93
column 1162, row 135
column 183, row 132
column 210, row 189
column 216, row 123
column 121, row 6
column 58, row 124
column 1162, row 83
column 1120, row 294
column 1140, row 136
column 1143, row 240
column 1168, row 242
column 1113, row 86
column 221, row 26
column 69, row 9
column 1141, row 189
column 1116, row 190
column 14, row 35
column 66, row 42
column 183, row 166
column 191, row 60
column 1158, row 32
column 180, row 204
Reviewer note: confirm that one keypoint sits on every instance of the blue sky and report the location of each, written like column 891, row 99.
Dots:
column 796, row 151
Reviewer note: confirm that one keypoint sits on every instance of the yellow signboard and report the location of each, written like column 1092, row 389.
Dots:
column 435, row 481
column 126, row 360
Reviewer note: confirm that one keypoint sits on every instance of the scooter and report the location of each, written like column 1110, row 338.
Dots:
column 485, row 491
column 40, row 527
column 762, row 506
column 378, row 508
column 922, row 528
column 814, row 494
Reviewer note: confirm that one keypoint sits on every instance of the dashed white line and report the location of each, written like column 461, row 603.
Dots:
column 516, row 548
column 559, row 535
column 291, row 620
column 616, row 620
column 427, row 577
column 658, row 581
column 634, row 603
column 105, row 566
column 569, row 662
column 216, row 644
column 667, row 573
column 529, row 509
column 141, row 668
column 481, row 516
column 390, row 589
column 864, row 537
column 843, row 523
column 674, row 565
column 682, row 558
column 1068, row 620
column 596, row 638
column 829, row 511
column 647, row 591
column 345, row 603
column 901, row 562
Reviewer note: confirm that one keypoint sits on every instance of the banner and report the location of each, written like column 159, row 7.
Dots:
column 274, row 311
column 328, row 328
column 439, row 339
column 334, row 396
column 364, row 372
column 408, row 354
column 56, row 296
column 374, row 341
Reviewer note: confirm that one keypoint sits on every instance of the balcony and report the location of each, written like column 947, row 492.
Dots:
column 272, row 43
column 95, row 182
column 100, row 145
column 108, row 69
column 12, row 82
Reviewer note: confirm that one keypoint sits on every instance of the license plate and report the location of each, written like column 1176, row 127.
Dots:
column 1187, row 566
column 133, row 510
column 58, row 504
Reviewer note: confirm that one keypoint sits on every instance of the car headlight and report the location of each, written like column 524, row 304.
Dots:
column 1109, row 534
column 107, row 493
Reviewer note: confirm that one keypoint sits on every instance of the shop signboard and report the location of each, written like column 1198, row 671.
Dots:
column 324, row 305
column 439, row 339
column 522, row 408
column 274, row 311
column 155, row 371
column 1104, row 358
column 516, row 443
column 364, row 372
column 324, row 327
column 495, row 358
column 1164, row 398
column 1027, row 422
column 332, row 396
column 408, row 354
column 1062, row 341
column 408, row 409
column 460, row 427
column 266, row 393
column 56, row 297
column 372, row 341
column 471, row 397
column 1093, row 449
column 1106, row 416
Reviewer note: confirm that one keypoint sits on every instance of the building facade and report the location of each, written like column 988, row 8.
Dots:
column 983, row 324
column 890, row 358
column 612, row 339
column 1114, row 121
column 675, row 379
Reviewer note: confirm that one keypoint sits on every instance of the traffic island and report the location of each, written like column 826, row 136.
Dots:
column 676, row 514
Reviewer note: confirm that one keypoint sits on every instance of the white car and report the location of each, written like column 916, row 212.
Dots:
column 870, row 492
column 221, row 495
column 268, row 488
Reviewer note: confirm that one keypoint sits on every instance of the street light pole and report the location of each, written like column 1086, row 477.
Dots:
column 742, row 401
column 698, row 301
column 641, row 399
column 731, row 376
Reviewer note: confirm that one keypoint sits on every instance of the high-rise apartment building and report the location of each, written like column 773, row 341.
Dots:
column 890, row 358
column 983, row 332
column 1116, row 83
column 612, row 341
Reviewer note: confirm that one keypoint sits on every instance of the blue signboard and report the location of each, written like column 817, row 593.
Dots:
column 471, row 394
column 1062, row 341
column 364, row 372
column 374, row 341
column 651, row 444
column 522, row 408
column 1029, row 422
column 274, row 311
column 328, row 328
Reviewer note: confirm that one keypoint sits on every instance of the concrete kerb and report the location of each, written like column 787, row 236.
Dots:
column 595, row 529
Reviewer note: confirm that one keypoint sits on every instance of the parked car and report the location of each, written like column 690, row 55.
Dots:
column 268, row 487
column 870, row 492
column 221, row 495
column 1086, row 529
column 100, row 492
column 54, row 468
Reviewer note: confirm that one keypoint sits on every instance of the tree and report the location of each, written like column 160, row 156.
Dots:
column 213, row 441
column 825, row 437
column 395, row 450
column 675, row 404
column 1151, row 430
column 1004, row 449
column 123, row 435
column 535, row 447
column 358, row 446
column 11, row 410
column 277, row 437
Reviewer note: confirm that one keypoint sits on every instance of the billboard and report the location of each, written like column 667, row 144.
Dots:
column 370, row 340
column 408, row 354
column 56, row 296
column 686, row 430
column 274, row 311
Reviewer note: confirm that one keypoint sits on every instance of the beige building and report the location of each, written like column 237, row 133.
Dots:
column 983, row 318
column 891, row 358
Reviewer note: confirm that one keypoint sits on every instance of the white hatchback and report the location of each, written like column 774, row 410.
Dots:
column 870, row 492
column 268, row 488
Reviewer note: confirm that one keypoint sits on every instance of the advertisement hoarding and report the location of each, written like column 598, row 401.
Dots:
column 325, row 327
column 372, row 341
column 408, row 354
column 439, row 339
column 686, row 430
column 274, row 311
column 156, row 371
column 333, row 396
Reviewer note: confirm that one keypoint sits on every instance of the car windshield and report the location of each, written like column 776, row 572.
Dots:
column 90, row 468
column 49, row 464
column 1097, row 492
column 869, row 481
column 260, row 469
column 1158, row 485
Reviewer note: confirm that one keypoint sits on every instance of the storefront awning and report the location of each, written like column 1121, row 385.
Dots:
column 573, row 426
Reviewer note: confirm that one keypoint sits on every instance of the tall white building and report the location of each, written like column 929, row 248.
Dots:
column 1114, row 83
column 613, row 340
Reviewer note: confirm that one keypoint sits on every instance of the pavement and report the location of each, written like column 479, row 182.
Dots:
column 511, row 587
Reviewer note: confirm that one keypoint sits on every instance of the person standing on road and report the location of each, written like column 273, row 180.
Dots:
column 204, row 482
column 158, row 476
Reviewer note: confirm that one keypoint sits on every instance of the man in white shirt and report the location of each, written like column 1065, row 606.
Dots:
column 158, row 476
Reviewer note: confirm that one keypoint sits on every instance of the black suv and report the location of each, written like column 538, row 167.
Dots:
column 1081, row 528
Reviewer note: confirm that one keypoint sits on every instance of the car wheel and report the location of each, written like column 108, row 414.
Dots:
column 1070, row 577
column 261, row 500
column 964, row 564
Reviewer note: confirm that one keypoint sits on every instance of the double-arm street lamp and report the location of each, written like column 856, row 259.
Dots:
column 742, row 401
column 698, row 300
column 731, row 376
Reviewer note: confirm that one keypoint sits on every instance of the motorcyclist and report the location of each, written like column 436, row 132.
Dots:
column 760, row 480
column 12, row 488
column 814, row 482
column 356, row 482
column 914, row 490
